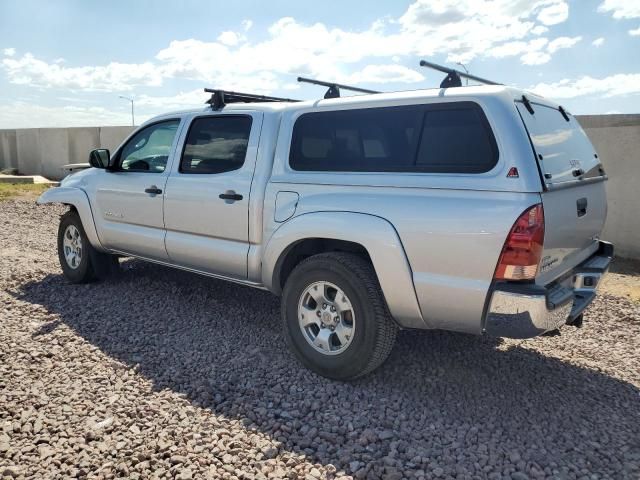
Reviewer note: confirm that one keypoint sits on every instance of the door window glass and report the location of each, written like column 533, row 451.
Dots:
column 149, row 149
column 216, row 144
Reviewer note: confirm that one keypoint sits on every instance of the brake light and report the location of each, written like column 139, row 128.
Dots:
column 523, row 247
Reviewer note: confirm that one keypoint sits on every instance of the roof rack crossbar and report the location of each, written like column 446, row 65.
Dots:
column 453, row 76
column 334, row 88
column 220, row 98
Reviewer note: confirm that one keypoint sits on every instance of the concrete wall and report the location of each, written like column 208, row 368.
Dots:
column 616, row 138
column 43, row 151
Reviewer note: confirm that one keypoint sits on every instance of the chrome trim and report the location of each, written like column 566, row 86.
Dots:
column 515, row 315
column 521, row 315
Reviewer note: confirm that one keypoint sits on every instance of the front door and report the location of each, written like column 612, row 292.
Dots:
column 206, row 205
column 129, row 199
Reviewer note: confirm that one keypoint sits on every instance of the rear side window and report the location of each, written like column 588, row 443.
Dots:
column 456, row 140
column 216, row 144
column 443, row 138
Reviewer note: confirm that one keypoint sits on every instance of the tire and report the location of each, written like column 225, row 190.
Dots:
column 361, row 311
column 87, row 264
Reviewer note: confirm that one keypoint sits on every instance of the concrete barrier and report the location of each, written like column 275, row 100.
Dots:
column 43, row 151
column 617, row 141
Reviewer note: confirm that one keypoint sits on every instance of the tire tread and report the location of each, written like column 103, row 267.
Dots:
column 386, row 327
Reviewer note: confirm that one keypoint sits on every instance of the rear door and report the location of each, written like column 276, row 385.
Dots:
column 206, row 207
column 574, row 197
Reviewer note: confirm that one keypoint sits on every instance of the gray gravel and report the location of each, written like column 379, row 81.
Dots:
column 160, row 373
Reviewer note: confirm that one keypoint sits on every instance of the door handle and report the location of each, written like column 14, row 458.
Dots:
column 230, row 196
column 153, row 190
column 581, row 207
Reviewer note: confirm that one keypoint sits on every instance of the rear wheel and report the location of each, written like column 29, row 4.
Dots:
column 80, row 262
column 335, row 318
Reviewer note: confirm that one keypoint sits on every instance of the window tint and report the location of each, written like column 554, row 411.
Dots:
column 374, row 139
column 149, row 149
column 216, row 144
column 562, row 145
column 456, row 140
column 444, row 138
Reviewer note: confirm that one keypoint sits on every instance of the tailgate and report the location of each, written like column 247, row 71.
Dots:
column 574, row 198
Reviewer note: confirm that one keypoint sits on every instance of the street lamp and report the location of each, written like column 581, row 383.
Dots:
column 465, row 69
column 133, row 120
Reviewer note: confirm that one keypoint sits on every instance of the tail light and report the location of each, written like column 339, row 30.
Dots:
column 523, row 248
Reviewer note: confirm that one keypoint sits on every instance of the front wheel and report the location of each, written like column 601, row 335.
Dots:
column 80, row 262
column 335, row 318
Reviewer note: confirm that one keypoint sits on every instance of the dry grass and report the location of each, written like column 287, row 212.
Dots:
column 624, row 279
column 12, row 190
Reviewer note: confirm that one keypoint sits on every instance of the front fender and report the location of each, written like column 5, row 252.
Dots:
column 78, row 198
column 375, row 234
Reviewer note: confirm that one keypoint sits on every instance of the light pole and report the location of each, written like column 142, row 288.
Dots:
column 465, row 69
column 133, row 120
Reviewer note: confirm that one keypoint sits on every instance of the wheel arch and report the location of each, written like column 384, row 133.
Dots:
column 367, row 235
column 307, row 247
column 76, row 199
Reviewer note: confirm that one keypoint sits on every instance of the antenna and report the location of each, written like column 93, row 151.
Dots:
column 453, row 76
column 334, row 88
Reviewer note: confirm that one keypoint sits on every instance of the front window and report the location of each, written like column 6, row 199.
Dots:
column 149, row 149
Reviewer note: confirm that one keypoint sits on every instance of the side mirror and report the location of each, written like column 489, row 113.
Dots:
column 99, row 158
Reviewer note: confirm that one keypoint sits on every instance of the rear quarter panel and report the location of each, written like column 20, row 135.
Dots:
column 452, row 239
column 452, row 226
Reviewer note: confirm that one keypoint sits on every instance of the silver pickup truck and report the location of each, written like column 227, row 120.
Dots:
column 472, row 209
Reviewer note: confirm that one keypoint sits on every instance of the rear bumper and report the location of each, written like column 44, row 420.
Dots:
column 527, row 310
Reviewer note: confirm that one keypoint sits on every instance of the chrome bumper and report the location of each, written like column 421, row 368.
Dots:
column 528, row 310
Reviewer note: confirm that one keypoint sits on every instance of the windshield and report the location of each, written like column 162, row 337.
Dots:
column 563, row 150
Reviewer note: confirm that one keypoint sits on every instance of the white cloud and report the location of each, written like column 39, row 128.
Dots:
column 562, row 42
column 460, row 29
column 229, row 38
column 518, row 48
column 539, row 30
column 614, row 85
column 29, row 70
column 533, row 52
column 9, row 52
column 384, row 74
column 22, row 115
column 181, row 101
column 555, row 13
column 621, row 8
column 465, row 29
column 635, row 33
column 598, row 42
column 535, row 58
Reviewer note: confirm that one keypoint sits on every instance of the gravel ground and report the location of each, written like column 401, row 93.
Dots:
column 160, row 373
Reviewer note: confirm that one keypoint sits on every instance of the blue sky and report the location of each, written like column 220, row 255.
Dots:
column 65, row 63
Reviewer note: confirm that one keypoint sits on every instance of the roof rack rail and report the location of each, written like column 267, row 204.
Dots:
column 453, row 76
column 334, row 88
column 220, row 98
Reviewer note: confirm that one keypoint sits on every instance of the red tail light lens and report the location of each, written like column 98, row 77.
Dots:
column 523, row 248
